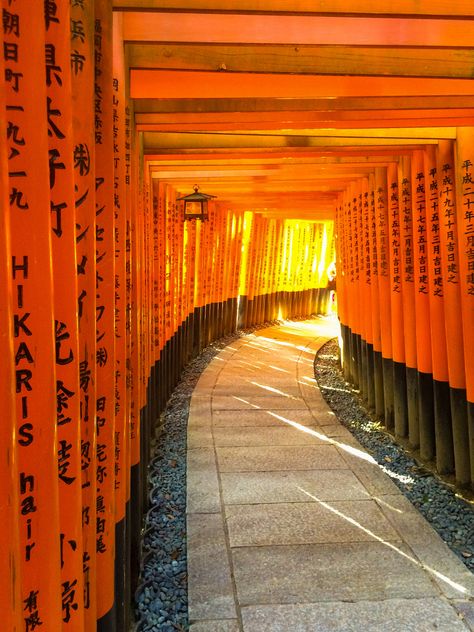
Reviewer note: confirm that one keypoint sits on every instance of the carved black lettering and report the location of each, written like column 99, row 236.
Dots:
column 24, row 407
column 26, row 431
column 23, row 267
column 28, row 549
column 19, row 323
column 23, row 353
column 27, row 483
column 28, row 506
column 23, row 377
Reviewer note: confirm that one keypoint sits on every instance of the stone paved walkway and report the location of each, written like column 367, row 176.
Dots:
column 291, row 525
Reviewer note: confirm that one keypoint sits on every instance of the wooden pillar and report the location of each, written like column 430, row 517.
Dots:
column 396, row 303
column 35, row 347
column 63, row 236
column 440, row 377
column 383, row 255
column 376, row 327
column 82, row 68
column 422, row 306
column 465, row 223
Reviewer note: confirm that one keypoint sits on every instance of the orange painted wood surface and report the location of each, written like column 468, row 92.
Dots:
column 151, row 84
column 195, row 27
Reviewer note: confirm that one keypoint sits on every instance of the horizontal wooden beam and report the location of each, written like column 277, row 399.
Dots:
column 152, row 84
column 295, row 29
column 414, row 8
column 328, row 60
column 266, row 153
column 400, row 133
column 281, row 172
column 341, row 104
column 245, row 160
column 298, row 125
column 288, row 118
column 154, row 141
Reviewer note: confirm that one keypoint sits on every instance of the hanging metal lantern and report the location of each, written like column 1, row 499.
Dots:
column 195, row 204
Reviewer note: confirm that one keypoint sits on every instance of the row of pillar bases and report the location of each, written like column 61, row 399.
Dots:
column 427, row 416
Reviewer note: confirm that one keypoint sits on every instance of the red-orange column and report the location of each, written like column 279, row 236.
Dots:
column 422, row 309
column 82, row 71
column 396, row 307
column 10, row 577
column 105, row 309
column 238, row 239
column 61, row 181
column 383, row 256
column 366, row 285
column 344, row 286
column 442, row 409
column 375, row 306
column 465, row 223
column 366, row 268
column 362, row 290
column 340, row 240
column 354, row 281
column 130, row 207
column 374, row 264
column 408, row 288
column 34, row 347
column 452, row 307
column 159, row 281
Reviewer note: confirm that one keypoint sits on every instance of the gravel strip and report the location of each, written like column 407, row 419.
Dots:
column 161, row 600
column 451, row 516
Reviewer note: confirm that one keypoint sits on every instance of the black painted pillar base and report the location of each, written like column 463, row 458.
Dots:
column 426, row 414
column 346, row 352
column 443, row 427
column 108, row 622
column 370, row 377
column 354, row 359
column 460, row 421
column 470, row 423
column 363, row 369
column 412, row 408
column 387, row 370
column 400, row 403
column 421, row 411
column 136, row 517
column 121, row 574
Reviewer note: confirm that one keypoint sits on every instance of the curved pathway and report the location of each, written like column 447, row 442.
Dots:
column 292, row 527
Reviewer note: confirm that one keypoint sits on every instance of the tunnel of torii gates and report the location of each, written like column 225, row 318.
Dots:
column 106, row 292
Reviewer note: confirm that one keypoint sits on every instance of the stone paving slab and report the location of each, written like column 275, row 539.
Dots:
column 265, row 459
column 210, row 589
column 391, row 615
column 202, row 484
column 200, row 437
column 229, row 625
column 238, row 402
column 259, row 418
column 369, row 473
column 243, row 488
column 257, row 387
column 307, row 523
column 327, row 572
column 287, row 436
